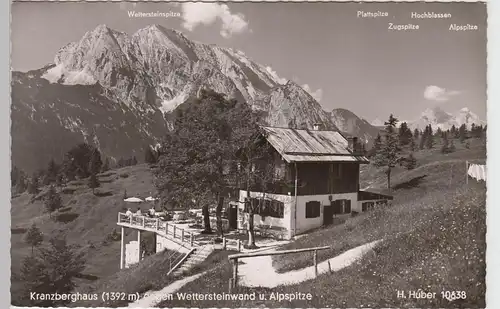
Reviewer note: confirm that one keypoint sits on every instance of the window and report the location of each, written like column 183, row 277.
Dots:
column 341, row 207
column 367, row 206
column 280, row 171
column 313, row 209
column 267, row 207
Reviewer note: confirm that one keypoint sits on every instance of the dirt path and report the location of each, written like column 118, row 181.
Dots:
column 251, row 270
column 156, row 297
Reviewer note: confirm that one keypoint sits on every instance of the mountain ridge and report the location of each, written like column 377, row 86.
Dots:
column 116, row 90
column 438, row 118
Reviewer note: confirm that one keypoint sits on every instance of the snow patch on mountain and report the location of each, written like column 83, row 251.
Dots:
column 275, row 76
column 438, row 118
column 59, row 74
column 169, row 105
column 377, row 123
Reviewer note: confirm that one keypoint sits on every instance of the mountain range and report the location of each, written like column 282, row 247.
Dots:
column 438, row 118
column 114, row 90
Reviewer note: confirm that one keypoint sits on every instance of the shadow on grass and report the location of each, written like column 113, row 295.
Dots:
column 412, row 183
column 18, row 230
column 66, row 217
column 103, row 194
column 86, row 277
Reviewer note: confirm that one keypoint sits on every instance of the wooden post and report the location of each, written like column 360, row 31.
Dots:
column 182, row 235
column 224, row 243
column 131, row 216
column 122, row 250
column 191, row 238
column 143, row 222
column 118, row 217
column 139, row 243
column 315, row 263
column 230, row 285
column 239, row 245
column 157, row 224
column 175, row 227
column 166, row 228
column 466, row 172
column 451, row 176
column 329, row 266
column 235, row 273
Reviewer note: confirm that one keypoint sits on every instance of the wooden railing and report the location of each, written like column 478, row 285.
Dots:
column 233, row 282
column 176, row 259
column 158, row 226
column 234, row 243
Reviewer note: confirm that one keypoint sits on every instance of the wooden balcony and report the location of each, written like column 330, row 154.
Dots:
column 160, row 227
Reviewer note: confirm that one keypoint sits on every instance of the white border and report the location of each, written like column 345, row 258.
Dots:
column 493, row 109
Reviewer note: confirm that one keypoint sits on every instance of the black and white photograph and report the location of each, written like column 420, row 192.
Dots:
column 251, row 154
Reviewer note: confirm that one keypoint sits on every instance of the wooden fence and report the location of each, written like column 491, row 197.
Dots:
column 233, row 282
column 158, row 226
column 235, row 243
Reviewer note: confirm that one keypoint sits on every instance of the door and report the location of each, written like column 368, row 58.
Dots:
column 327, row 214
column 232, row 216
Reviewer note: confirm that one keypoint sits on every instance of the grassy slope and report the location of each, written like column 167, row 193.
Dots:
column 434, row 222
column 150, row 274
column 416, row 191
column 443, row 250
column 96, row 219
column 373, row 177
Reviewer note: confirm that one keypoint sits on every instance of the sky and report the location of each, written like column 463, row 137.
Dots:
column 342, row 59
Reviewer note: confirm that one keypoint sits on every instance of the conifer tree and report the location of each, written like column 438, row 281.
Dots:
column 106, row 166
column 429, row 138
column 53, row 201
column 389, row 154
column 95, row 163
column 462, row 133
column 377, row 144
column 404, row 134
column 52, row 271
column 445, row 147
column 413, row 145
column 21, row 183
column 452, row 147
column 52, row 171
column 93, row 182
column 33, row 237
column 421, row 144
column 33, row 186
column 411, row 162
column 453, row 132
column 149, row 156
column 416, row 133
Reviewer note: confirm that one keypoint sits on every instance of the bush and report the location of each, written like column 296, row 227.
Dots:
column 69, row 190
column 113, row 236
column 106, row 174
column 66, row 217
column 18, row 230
column 103, row 193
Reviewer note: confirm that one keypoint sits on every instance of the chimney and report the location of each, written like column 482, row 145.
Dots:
column 352, row 144
column 316, row 126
